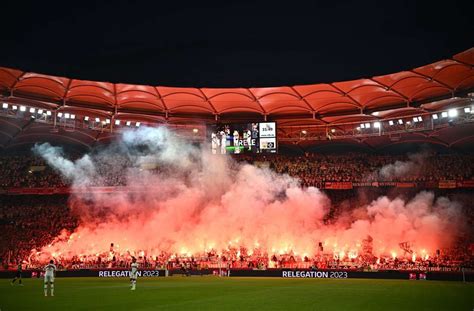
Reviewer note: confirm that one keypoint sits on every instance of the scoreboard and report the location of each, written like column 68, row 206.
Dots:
column 243, row 138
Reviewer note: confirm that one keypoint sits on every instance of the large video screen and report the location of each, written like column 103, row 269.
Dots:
column 243, row 138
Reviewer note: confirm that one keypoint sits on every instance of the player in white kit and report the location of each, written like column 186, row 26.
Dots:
column 215, row 142
column 133, row 273
column 249, row 139
column 49, row 271
column 223, row 141
column 236, row 142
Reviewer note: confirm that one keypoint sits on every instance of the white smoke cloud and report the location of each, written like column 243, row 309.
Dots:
column 78, row 172
column 403, row 168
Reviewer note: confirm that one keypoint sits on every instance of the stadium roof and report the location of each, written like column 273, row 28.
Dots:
column 396, row 94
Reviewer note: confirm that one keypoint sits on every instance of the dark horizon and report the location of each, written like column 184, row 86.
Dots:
column 232, row 45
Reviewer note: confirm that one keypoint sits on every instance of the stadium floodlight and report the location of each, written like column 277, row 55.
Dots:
column 117, row 122
column 73, row 116
column 377, row 125
column 376, row 113
column 32, row 110
column 444, row 114
column 466, row 109
column 60, row 115
column 48, row 113
column 333, row 130
column 40, row 111
column 415, row 119
column 22, row 108
column 14, row 107
column 67, row 115
column 400, row 121
column 107, row 121
column 435, row 116
column 137, row 124
column 97, row 120
column 453, row 113
column 408, row 122
column 128, row 123
column 362, row 125
column 304, row 132
column 367, row 125
column 5, row 106
column 86, row 118
column 358, row 128
column 390, row 122
column 420, row 119
column 195, row 130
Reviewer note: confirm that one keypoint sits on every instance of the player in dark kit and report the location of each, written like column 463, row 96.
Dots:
column 18, row 275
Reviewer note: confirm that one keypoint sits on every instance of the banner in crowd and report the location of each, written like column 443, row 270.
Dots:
column 466, row 184
column 37, row 168
column 447, row 184
column 405, row 185
column 342, row 185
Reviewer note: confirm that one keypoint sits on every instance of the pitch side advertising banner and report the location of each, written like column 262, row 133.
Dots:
column 315, row 274
column 126, row 273
column 281, row 273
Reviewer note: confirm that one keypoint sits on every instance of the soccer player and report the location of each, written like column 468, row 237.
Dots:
column 214, row 143
column 49, row 271
column 249, row 139
column 236, row 142
column 223, row 141
column 133, row 273
column 18, row 275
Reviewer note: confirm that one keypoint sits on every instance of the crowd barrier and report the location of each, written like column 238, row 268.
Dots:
column 281, row 273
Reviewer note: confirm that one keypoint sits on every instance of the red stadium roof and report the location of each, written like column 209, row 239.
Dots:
column 314, row 104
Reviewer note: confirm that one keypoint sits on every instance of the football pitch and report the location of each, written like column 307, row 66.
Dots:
column 214, row 293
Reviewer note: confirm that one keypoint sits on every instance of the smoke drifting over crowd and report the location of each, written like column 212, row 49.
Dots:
column 194, row 201
column 401, row 168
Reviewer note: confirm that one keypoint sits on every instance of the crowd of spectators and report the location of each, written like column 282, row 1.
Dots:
column 32, row 221
column 233, row 258
column 29, row 222
column 312, row 169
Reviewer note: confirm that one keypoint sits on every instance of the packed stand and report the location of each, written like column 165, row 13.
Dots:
column 29, row 222
column 312, row 169
column 32, row 222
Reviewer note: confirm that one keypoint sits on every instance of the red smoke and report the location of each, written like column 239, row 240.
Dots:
column 197, row 202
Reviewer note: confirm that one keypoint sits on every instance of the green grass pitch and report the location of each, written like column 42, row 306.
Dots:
column 214, row 293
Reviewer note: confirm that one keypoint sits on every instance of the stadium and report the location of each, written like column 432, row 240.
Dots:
column 346, row 195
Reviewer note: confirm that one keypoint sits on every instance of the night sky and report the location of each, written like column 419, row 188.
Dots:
column 231, row 45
